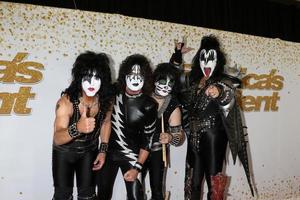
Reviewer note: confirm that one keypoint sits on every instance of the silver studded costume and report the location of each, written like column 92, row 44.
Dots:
column 211, row 122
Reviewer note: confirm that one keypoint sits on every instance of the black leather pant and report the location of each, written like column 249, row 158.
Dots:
column 106, row 178
column 64, row 166
column 208, row 161
column 155, row 166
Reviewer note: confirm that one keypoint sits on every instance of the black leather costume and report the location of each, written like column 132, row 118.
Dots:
column 154, row 162
column 76, row 157
column 207, row 139
column 211, row 122
column 133, row 126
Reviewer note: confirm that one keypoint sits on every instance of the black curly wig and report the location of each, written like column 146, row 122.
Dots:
column 146, row 72
column 163, row 70
column 208, row 42
column 89, row 62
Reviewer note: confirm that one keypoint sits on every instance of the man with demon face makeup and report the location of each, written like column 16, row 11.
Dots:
column 214, row 119
column 133, row 125
column 166, row 81
column 82, row 114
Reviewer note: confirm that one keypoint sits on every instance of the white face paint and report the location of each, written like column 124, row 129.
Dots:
column 91, row 84
column 208, row 61
column 163, row 87
column 134, row 80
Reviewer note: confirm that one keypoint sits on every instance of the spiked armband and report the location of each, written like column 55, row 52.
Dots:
column 73, row 132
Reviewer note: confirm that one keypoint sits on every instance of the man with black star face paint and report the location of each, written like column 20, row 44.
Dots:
column 82, row 114
column 91, row 84
column 214, row 119
column 133, row 125
column 166, row 83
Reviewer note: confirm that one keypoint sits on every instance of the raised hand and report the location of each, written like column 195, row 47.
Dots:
column 182, row 46
column 85, row 124
column 180, row 49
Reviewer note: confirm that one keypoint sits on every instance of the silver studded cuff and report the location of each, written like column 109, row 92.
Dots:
column 175, row 129
column 138, row 166
column 73, row 132
column 103, row 147
column 176, row 140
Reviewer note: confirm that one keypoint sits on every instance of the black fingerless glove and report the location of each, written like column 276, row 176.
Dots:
column 177, row 56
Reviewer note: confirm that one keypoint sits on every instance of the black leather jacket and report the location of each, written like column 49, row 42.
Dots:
column 133, row 126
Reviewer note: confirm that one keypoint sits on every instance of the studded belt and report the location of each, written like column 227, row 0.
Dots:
column 198, row 125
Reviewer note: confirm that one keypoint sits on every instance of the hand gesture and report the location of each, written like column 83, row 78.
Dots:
column 180, row 49
column 182, row 46
column 131, row 175
column 212, row 91
column 85, row 124
column 99, row 161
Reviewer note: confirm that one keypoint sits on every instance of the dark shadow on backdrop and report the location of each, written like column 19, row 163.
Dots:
column 267, row 18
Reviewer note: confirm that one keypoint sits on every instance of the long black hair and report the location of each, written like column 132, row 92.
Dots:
column 208, row 42
column 146, row 72
column 91, row 62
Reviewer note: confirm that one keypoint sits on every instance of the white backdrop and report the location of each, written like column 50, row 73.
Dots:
column 38, row 46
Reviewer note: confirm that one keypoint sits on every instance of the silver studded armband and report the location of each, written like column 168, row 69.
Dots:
column 176, row 140
column 103, row 147
column 73, row 132
column 176, row 136
column 138, row 166
column 226, row 93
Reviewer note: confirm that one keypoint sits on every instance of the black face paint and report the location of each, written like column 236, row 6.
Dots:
column 206, row 58
column 135, row 80
column 171, row 83
column 89, row 75
column 208, row 61
column 163, row 87
column 87, row 78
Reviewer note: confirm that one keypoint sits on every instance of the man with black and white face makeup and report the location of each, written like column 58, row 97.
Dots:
column 163, row 86
column 165, row 82
column 214, row 120
column 82, row 116
column 133, row 125
column 91, row 84
column 134, row 80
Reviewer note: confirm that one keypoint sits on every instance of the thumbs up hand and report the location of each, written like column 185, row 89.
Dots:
column 85, row 124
